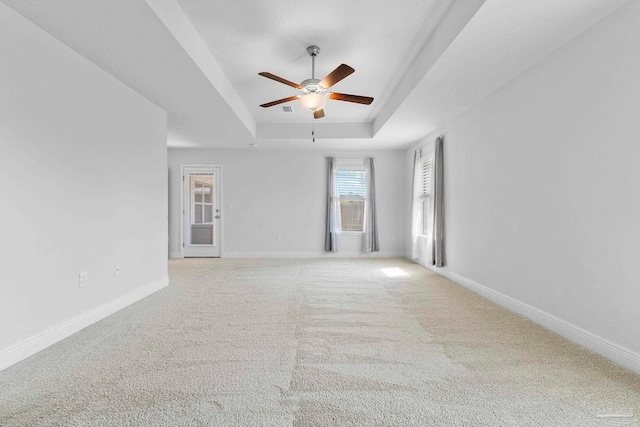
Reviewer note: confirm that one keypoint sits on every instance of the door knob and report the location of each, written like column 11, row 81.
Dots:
column 217, row 216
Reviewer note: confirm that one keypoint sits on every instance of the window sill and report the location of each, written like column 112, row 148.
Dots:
column 352, row 232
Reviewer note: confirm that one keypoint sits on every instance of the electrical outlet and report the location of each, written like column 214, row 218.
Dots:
column 83, row 279
column 116, row 270
column 278, row 238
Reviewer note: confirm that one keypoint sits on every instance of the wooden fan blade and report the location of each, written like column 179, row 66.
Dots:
column 280, row 79
column 351, row 98
column 318, row 114
column 280, row 101
column 336, row 75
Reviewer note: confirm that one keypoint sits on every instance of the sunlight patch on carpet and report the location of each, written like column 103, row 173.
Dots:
column 394, row 272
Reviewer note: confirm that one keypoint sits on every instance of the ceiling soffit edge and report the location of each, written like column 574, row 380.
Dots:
column 320, row 130
column 454, row 19
column 179, row 25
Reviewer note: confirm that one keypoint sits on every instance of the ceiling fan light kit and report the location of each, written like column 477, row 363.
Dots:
column 314, row 92
column 313, row 101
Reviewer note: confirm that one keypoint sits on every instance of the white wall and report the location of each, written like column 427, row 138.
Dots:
column 284, row 193
column 83, row 187
column 543, row 189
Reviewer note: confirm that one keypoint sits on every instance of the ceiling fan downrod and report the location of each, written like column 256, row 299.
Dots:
column 313, row 51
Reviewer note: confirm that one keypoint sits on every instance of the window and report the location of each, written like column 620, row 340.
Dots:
column 203, row 203
column 425, row 190
column 352, row 190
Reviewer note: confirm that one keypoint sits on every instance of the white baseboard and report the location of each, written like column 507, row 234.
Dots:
column 175, row 255
column 614, row 352
column 39, row 342
column 350, row 254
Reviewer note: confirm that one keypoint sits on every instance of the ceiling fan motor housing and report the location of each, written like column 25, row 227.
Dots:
column 312, row 85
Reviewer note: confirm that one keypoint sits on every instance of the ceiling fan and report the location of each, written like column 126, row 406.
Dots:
column 314, row 94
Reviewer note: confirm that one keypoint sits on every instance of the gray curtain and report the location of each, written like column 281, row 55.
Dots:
column 331, row 234
column 416, row 207
column 437, row 251
column 370, row 236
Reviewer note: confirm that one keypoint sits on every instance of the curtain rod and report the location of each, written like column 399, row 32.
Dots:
column 432, row 141
column 352, row 157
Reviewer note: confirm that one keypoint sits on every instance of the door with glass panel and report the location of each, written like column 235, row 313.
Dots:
column 201, row 213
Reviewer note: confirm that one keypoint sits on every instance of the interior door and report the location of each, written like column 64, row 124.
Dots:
column 201, row 213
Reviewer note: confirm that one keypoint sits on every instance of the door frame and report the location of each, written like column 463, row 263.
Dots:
column 183, row 166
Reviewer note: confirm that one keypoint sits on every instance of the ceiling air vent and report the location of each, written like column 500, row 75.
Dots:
column 287, row 109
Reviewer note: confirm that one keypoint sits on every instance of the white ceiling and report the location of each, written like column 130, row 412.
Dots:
column 424, row 62
column 249, row 37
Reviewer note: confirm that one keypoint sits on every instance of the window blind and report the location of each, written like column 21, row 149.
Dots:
column 351, row 183
column 426, row 176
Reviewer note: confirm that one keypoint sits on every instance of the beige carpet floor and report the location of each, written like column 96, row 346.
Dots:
column 315, row 342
